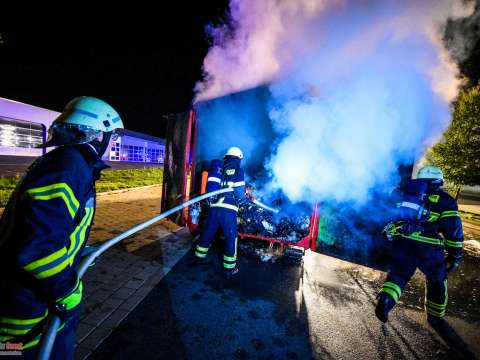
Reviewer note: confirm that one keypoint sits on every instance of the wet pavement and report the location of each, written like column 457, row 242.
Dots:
column 321, row 309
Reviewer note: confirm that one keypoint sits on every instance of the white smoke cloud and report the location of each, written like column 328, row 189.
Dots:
column 256, row 52
column 357, row 87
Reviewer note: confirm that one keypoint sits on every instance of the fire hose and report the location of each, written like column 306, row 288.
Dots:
column 54, row 322
column 266, row 207
column 259, row 203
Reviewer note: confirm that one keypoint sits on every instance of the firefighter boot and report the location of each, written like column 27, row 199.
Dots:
column 438, row 323
column 196, row 260
column 229, row 273
column 384, row 305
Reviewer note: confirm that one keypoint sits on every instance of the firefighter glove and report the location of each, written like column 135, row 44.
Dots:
column 62, row 306
column 452, row 262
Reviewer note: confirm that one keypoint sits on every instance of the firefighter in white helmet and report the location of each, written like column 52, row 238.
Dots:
column 223, row 211
column 421, row 245
column 45, row 227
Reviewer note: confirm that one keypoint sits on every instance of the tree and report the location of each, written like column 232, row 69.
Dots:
column 458, row 154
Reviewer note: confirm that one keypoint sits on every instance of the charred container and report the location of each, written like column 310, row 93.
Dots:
column 197, row 136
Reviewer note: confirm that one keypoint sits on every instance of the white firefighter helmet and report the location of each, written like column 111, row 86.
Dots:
column 430, row 173
column 83, row 119
column 234, row 151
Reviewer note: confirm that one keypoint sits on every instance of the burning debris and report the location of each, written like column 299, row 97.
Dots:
column 257, row 221
column 262, row 220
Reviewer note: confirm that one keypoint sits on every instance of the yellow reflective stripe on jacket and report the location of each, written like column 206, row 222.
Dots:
column 15, row 327
column 449, row 214
column 61, row 259
column 220, row 203
column 29, row 344
column 424, row 239
column 455, row 244
column 46, row 260
column 6, row 320
column 54, row 191
column 32, row 343
column 37, row 339
column 53, row 270
column 78, row 236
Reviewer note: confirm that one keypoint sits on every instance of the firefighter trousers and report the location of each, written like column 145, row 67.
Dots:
column 226, row 220
column 407, row 256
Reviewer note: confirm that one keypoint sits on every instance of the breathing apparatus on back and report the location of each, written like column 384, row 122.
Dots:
column 412, row 209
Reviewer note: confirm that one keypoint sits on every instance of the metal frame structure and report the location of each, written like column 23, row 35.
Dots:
column 188, row 186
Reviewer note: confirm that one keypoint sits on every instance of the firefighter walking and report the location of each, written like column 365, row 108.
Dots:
column 423, row 246
column 45, row 227
column 223, row 210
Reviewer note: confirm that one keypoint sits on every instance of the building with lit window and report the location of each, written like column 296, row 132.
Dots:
column 23, row 127
column 137, row 147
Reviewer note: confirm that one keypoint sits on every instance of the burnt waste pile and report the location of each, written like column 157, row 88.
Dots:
column 290, row 224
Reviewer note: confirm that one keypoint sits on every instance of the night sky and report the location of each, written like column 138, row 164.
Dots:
column 144, row 62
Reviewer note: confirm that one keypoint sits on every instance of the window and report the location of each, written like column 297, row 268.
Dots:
column 133, row 153
column 153, row 155
column 115, row 152
column 16, row 133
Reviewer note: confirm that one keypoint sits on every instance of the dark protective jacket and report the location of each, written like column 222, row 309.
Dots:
column 443, row 226
column 233, row 177
column 43, row 230
column 214, row 180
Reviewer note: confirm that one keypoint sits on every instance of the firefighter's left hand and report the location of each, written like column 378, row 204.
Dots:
column 453, row 262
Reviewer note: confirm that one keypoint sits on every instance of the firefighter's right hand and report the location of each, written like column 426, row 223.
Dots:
column 452, row 262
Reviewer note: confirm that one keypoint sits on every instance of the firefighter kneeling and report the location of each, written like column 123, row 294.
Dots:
column 417, row 243
column 45, row 227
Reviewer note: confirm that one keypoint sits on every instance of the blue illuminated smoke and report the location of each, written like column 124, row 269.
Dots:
column 239, row 119
column 356, row 88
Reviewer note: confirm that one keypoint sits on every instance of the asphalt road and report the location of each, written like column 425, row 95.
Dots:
column 321, row 309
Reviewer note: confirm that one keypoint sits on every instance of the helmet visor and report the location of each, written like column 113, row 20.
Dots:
column 70, row 134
